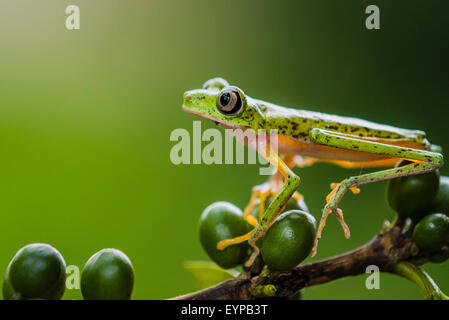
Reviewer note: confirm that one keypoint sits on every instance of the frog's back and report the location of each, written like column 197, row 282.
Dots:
column 298, row 124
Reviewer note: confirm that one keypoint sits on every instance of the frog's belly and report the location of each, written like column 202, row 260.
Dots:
column 291, row 146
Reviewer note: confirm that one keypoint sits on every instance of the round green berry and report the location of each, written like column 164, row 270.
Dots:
column 220, row 221
column 8, row 291
column 413, row 196
column 37, row 271
column 431, row 233
column 107, row 275
column 289, row 240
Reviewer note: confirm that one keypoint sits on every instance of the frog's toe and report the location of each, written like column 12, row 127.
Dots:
column 328, row 209
column 223, row 244
column 339, row 214
column 324, row 215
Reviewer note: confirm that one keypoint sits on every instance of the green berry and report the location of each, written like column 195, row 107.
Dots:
column 289, row 240
column 413, row 196
column 8, row 291
column 37, row 271
column 107, row 275
column 431, row 233
column 441, row 202
column 220, row 221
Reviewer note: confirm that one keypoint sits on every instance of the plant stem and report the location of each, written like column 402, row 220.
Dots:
column 384, row 251
column 418, row 276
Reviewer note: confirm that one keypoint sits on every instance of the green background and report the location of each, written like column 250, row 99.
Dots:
column 85, row 119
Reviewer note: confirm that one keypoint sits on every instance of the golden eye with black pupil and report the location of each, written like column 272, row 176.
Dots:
column 229, row 102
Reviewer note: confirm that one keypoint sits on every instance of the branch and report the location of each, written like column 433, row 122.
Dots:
column 384, row 250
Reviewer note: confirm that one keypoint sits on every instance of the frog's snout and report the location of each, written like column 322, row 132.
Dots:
column 194, row 97
column 200, row 100
column 188, row 97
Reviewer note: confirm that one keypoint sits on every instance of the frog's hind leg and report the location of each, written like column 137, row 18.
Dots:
column 422, row 162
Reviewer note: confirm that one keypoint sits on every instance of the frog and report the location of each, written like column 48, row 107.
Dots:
column 305, row 137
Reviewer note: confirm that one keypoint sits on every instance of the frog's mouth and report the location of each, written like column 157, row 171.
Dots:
column 219, row 122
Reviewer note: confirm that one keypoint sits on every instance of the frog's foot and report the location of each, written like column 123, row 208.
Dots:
column 254, row 255
column 332, row 200
column 258, row 196
column 223, row 244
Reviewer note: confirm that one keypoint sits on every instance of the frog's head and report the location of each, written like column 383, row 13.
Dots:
column 223, row 104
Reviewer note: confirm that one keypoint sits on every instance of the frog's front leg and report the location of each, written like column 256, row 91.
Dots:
column 258, row 196
column 261, row 192
column 291, row 183
column 272, row 187
column 422, row 162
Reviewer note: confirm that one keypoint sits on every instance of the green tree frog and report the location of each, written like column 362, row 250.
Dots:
column 305, row 137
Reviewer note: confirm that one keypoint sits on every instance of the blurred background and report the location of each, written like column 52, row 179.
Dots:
column 86, row 115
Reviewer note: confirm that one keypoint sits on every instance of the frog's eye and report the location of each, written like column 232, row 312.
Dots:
column 230, row 102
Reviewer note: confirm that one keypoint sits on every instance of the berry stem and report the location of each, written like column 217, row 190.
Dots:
column 418, row 276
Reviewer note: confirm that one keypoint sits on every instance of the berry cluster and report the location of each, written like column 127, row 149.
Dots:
column 38, row 271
